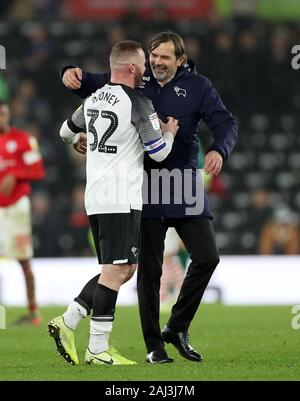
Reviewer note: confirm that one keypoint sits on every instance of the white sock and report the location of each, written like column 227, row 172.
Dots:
column 99, row 335
column 74, row 314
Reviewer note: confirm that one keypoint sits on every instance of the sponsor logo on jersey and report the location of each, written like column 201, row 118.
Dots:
column 142, row 86
column 11, row 146
column 155, row 145
column 4, row 164
column 154, row 121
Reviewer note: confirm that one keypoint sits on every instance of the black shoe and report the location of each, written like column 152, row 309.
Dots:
column 159, row 356
column 180, row 340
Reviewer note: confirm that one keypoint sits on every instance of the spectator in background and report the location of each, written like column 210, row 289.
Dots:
column 223, row 55
column 244, row 12
column 160, row 18
column 29, row 9
column 5, row 7
column 49, row 8
column 194, row 49
column 48, row 226
column 20, row 163
column 131, row 21
column 39, row 66
column 56, row 159
column 259, row 213
column 281, row 235
column 27, row 105
column 252, row 72
column 78, row 223
column 102, row 50
column 3, row 89
column 279, row 99
column 22, row 9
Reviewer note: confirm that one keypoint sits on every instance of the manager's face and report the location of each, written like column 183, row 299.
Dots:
column 163, row 62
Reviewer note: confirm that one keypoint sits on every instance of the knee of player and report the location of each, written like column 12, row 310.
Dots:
column 126, row 272
column 131, row 271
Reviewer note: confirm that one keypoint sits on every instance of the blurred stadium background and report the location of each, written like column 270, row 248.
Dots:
column 244, row 47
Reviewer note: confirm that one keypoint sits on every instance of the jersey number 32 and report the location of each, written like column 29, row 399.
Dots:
column 101, row 144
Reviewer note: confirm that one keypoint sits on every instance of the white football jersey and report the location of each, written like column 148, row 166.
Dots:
column 120, row 123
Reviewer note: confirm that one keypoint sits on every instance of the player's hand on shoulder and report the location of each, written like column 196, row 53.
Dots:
column 213, row 163
column 72, row 78
column 80, row 146
column 171, row 126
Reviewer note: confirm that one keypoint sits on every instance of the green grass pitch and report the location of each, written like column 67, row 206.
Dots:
column 237, row 343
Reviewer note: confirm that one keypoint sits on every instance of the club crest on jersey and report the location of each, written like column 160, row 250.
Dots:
column 180, row 91
column 11, row 146
column 142, row 86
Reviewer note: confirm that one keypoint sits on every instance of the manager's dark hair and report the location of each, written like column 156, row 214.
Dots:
column 168, row 36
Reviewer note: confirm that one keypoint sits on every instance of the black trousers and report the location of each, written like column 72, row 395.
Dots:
column 198, row 236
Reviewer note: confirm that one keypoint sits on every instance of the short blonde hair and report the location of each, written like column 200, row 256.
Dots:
column 124, row 52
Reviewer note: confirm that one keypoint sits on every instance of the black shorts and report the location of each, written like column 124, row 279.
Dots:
column 116, row 236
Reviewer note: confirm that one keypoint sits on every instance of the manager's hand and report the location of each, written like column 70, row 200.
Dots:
column 72, row 78
column 171, row 126
column 213, row 163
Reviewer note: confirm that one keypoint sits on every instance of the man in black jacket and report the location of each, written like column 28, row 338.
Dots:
column 176, row 90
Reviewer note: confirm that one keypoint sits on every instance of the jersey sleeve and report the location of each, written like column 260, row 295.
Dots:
column 77, row 122
column 71, row 128
column 32, row 166
column 32, row 153
column 145, row 119
column 90, row 82
column 218, row 119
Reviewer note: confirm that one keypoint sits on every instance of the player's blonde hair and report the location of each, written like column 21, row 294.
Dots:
column 125, row 52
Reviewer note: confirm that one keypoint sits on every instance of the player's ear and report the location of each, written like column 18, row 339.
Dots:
column 132, row 68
